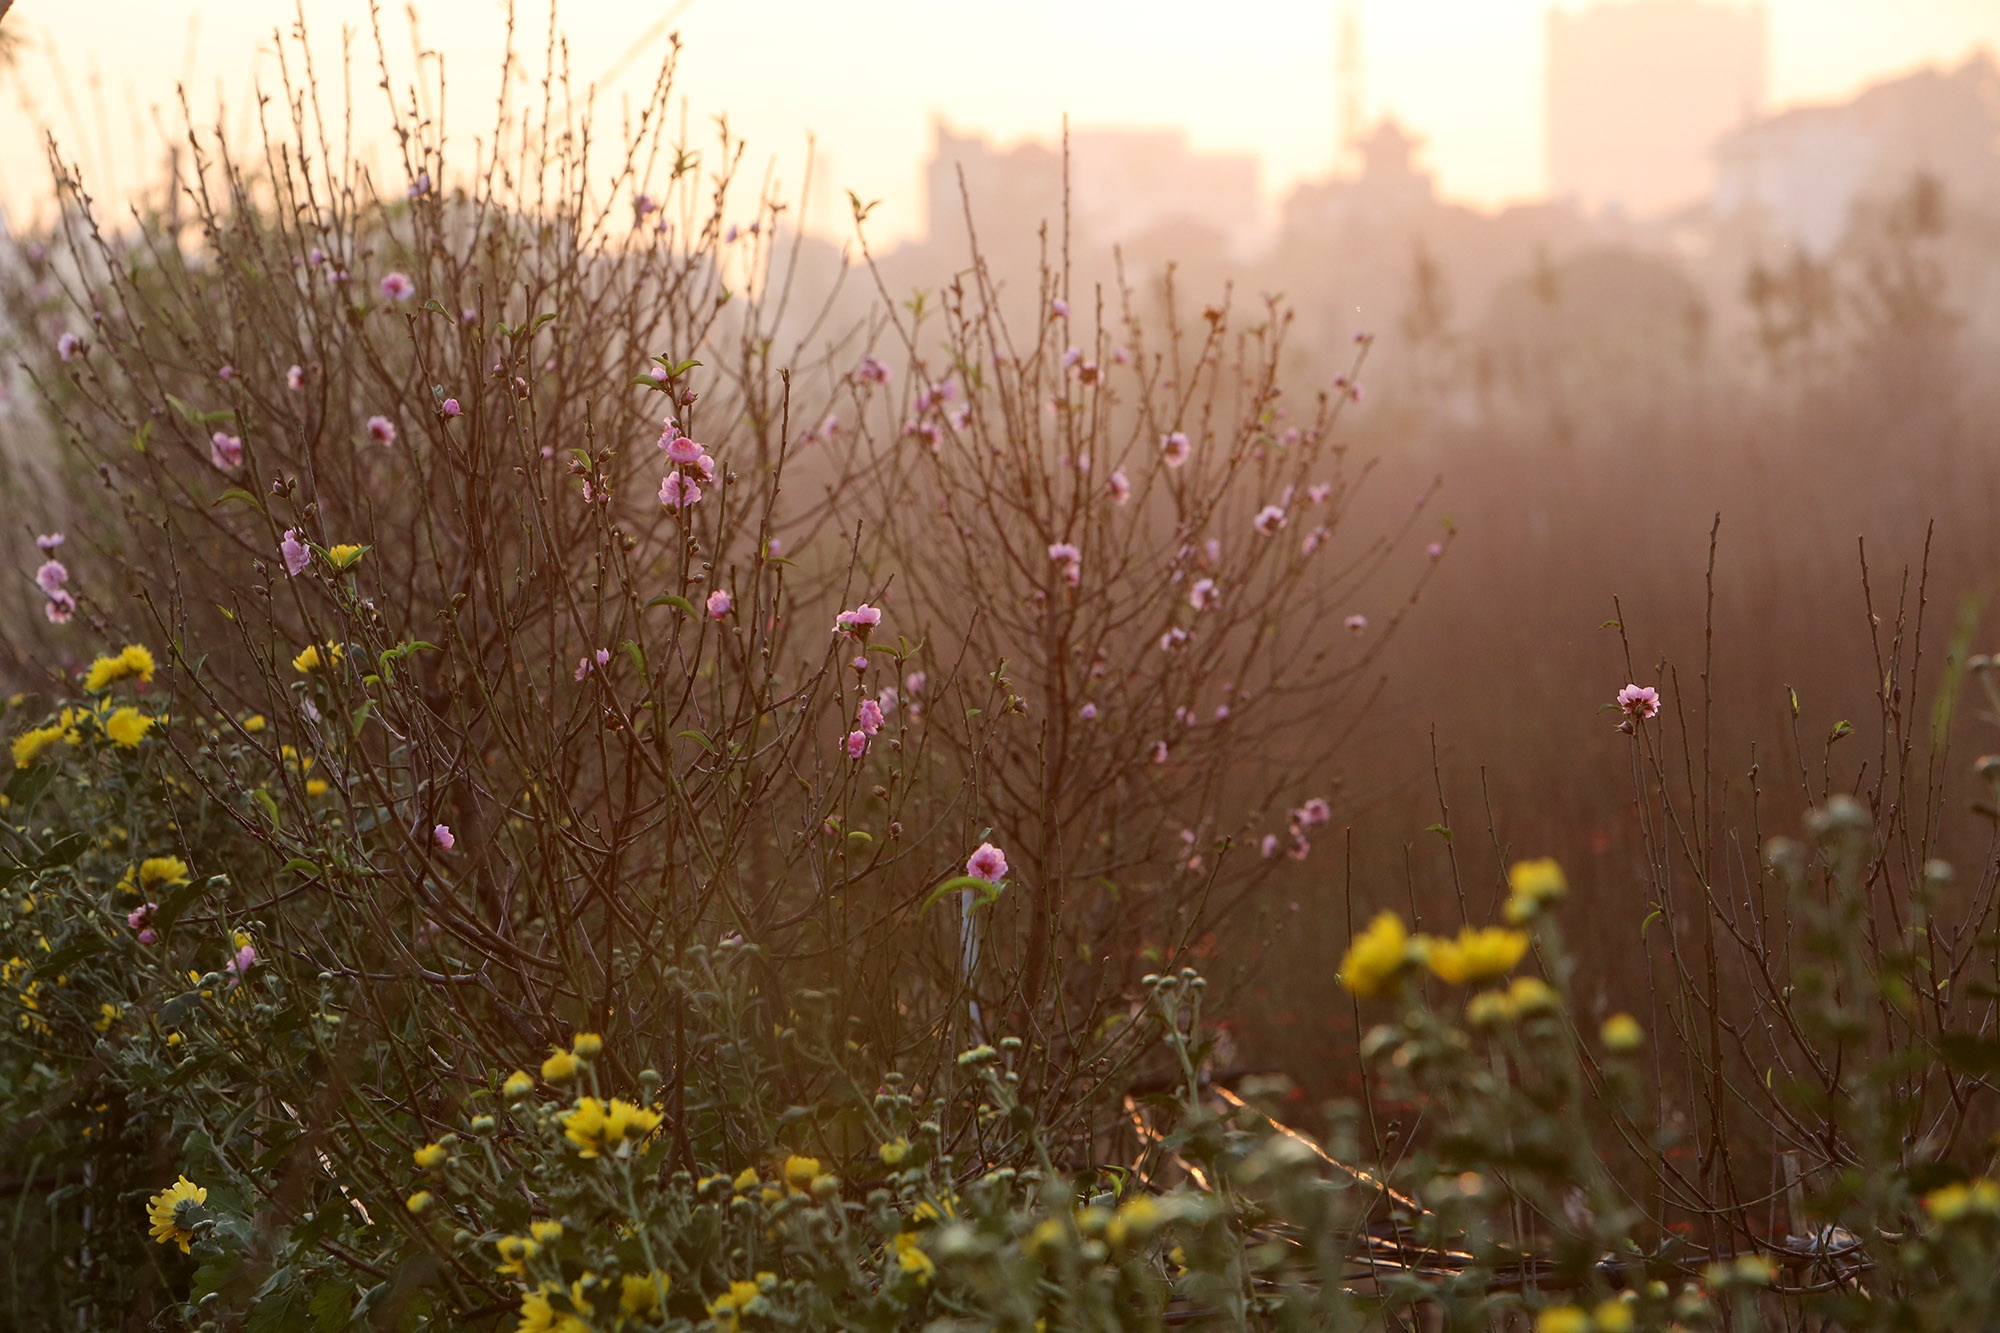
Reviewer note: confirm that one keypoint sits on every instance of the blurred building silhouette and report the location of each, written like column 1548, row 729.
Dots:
column 1800, row 175
column 1125, row 186
column 1639, row 91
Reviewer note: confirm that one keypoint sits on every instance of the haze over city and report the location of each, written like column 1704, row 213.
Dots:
column 1258, row 77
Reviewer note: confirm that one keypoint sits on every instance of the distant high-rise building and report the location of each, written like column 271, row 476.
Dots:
column 1638, row 92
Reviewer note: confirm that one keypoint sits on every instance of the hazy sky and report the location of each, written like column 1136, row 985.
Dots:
column 867, row 77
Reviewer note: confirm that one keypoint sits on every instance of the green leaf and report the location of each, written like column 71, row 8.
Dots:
column 1440, row 830
column 270, row 804
column 433, row 306
column 1841, row 729
column 672, row 599
column 858, row 837
column 142, row 435
column 700, row 738
column 304, row 867
column 237, row 493
column 988, row 891
column 84, row 946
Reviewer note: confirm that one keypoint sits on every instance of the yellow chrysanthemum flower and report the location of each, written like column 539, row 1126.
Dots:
column 431, row 1156
column 1963, row 1199
column 108, row 1014
column 1622, row 1033
column 162, row 872
column 1373, row 966
column 254, row 723
column 518, row 1085
column 1614, row 1316
column 126, row 727
column 799, row 1172
column 746, row 1180
column 134, row 660
column 728, row 1309
column 587, row 1046
column 560, row 1067
column 597, row 1127
column 539, row 1314
column 1534, row 886
column 310, row 657
column 515, row 1252
column 174, row 1211
column 911, row 1259
column 346, row 555
column 1479, row 955
column 895, row 1152
column 1562, row 1319
column 30, row 745
column 316, row 788
column 639, row 1295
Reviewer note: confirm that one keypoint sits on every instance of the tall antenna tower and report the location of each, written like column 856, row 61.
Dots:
column 1349, row 92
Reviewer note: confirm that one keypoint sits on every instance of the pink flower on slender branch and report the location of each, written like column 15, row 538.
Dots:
column 297, row 554
column 719, row 603
column 445, row 838
column 1639, row 701
column 225, row 451
column 988, row 863
column 381, row 430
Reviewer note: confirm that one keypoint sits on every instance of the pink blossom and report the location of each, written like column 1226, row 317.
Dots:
column 1222, row 712
column 860, row 664
column 1174, row 448
column 858, row 622
column 988, row 863
column 678, row 492
column 680, row 449
column 50, row 577
column 227, row 373
column 1314, row 811
column 868, row 717
column 421, row 186
column 1118, row 486
column 315, row 256
column 1319, row 492
column 48, row 542
column 297, row 554
column 336, row 277
column 872, row 370
column 657, row 374
column 1639, row 701
column 889, row 698
column 1060, row 308
column 445, row 837
column 1070, row 357
column 1300, row 847
column 1435, row 550
column 1121, row 354
column 1356, row 624
column 642, row 205
column 1211, row 551
column 1071, row 559
column 449, row 408
column 60, row 607
column 1088, row 712
column 1312, row 541
column 381, row 430
column 295, row 378
column 1159, row 752
column 239, row 966
column 1202, row 594
column 719, row 603
column 857, row 744
column 913, row 684
column 590, row 662
column 1173, row 640
column 140, row 917
column 1269, row 519
column 67, row 346
column 225, row 451
column 730, row 233
column 1268, row 846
